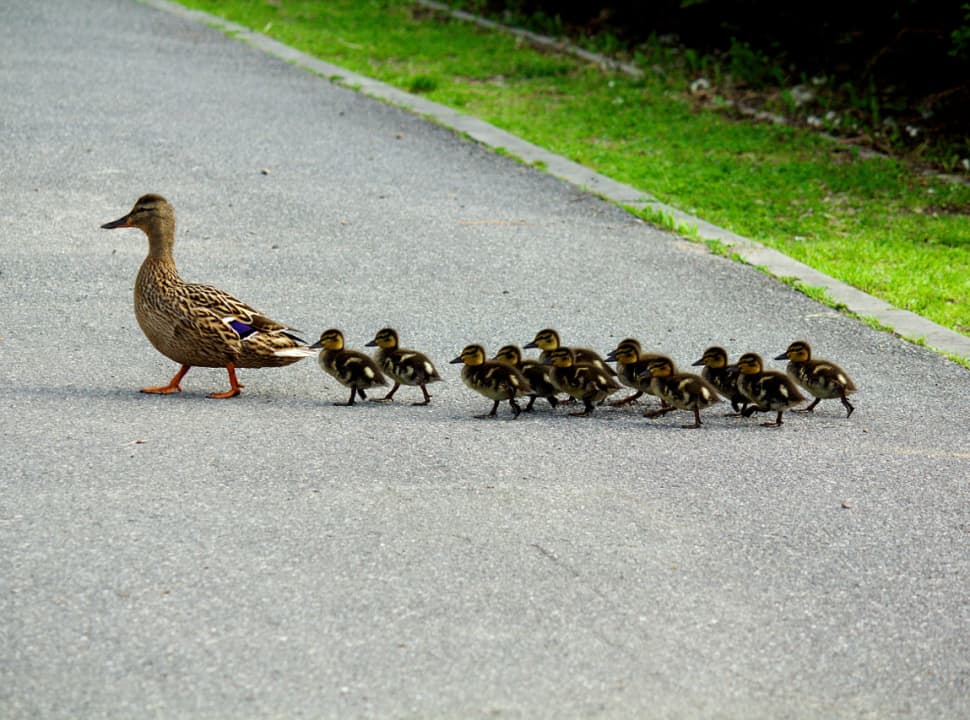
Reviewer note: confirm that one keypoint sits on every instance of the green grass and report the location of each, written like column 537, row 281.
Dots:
column 871, row 222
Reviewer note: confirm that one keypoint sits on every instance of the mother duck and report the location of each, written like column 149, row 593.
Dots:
column 196, row 324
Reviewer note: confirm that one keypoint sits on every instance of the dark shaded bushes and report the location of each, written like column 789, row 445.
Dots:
column 908, row 60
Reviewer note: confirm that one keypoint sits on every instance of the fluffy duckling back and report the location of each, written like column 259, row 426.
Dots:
column 582, row 380
column 679, row 390
column 769, row 390
column 538, row 374
column 495, row 380
column 631, row 364
column 822, row 378
column 548, row 340
column 351, row 368
column 723, row 376
column 405, row 367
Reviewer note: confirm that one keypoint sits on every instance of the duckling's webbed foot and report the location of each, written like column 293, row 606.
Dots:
column 848, row 406
column 810, row 408
column 626, row 401
column 424, row 390
column 515, row 407
column 697, row 421
column 353, row 394
column 490, row 414
column 390, row 394
column 776, row 423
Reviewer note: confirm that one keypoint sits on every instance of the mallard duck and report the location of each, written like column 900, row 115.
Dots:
column 405, row 367
column 193, row 324
column 538, row 374
column 823, row 379
column 631, row 363
column 495, row 380
column 351, row 368
column 723, row 376
column 769, row 390
column 679, row 390
column 582, row 380
column 548, row 340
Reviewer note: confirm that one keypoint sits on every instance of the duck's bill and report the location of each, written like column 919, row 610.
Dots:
column 120, row 222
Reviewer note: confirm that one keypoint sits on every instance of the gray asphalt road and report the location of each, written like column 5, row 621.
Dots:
column 276, row 556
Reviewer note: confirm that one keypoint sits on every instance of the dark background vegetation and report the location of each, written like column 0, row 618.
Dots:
column 899, row 68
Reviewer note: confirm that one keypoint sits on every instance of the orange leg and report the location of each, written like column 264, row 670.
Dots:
column 173, row 385
column 234, row 385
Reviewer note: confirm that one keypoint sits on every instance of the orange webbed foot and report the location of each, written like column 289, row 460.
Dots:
column 174, row 385
column 234, row 385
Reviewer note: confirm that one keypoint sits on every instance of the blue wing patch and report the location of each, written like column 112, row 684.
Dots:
column 241, row 329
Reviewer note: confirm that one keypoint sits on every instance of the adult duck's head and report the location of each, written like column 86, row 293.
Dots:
column 153, row 215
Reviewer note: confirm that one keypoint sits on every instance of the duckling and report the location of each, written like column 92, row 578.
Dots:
column 723, row 376
column 405, row 367
column 193, row 324
column 548, row 340
column 767, row 389
column 823, row 379
column 351, row 368
column 680, row 391
column 538, row 374
column 495, row 380
column 631, row 364
column 582, row 380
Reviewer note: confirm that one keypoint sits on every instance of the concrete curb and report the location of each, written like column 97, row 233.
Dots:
column 903, row 322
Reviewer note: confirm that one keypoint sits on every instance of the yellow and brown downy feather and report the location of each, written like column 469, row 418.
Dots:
column 822, row 378
column 194, row 324
column 582, row 380
column 538, row 374
column 351, row 368
column 723, row 376
column 403, row 366
column 631, row 364
column 495, row 380
column 548, row 340
column 768, row 390
column 679, row 390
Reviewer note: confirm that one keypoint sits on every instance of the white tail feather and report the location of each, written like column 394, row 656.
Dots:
column 297, row 352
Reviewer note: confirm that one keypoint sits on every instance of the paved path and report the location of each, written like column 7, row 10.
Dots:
column 275, row 556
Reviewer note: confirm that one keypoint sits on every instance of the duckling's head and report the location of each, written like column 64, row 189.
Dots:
column 626, row 353
column 471, row 355
column 149, row 212
column 330, row 340
column 714, row 357
column 561, row 357
column 798, row 351
column 386, row 339
column 547, row 340
column 660, row 366
column 750, row 364
column 510, row 354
